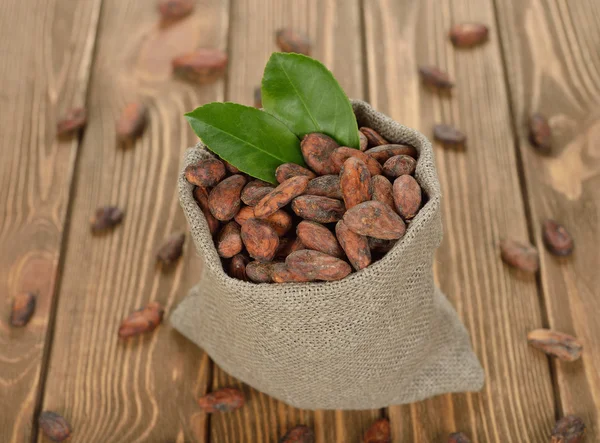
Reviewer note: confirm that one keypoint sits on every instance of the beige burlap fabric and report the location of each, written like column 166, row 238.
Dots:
column 384, row 335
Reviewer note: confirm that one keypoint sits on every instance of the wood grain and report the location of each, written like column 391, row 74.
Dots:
column 145, row 388
column 46, row 52
column 482, row 204
column 334, row 29
column 553, row 66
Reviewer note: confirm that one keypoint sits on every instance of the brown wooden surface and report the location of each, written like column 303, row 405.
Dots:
column 541, row 56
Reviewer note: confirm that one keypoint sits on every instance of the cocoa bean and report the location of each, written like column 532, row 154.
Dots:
column 259, row 272
column 449, row 135
column 231, row 169
column 224, row 200
column 540, row 134
column 260, row 239
column 563, row 346
column 201, row 196
column 467, row 35
column 280, row 220
column 207, row 173
column 556, row 238
column 373, row 137
column 229, row 242
column 379, row 432
column 54, row 426
column 458, row 437
column 254, row 191
column 287, row 246
column 299, row 434
column 382, row 190
column 173, row 10
column 381, row 246
column 141, row 321
column 375, row 219
column 384, row 152
column 73, row 121
column 282, row 274
column 317, row 237
column 364, row 141
column 244, row 214
column 257, row 97
column 399, row 165
column 325, row 186
column 354, row 245
column 237, row 267
column 569, row 429
column 355, row 182
column 105, row 218
column 341, row 154
column 315, row 265
column 132, row 122
column 172, row 249
column 22, row 309
column 201, row 66
column 407, row 196
column 319, row 209
column 519, row 255
column 289, row 170
column 222, row 400
column 316, row 150
column 281, row 196
column 435, row 78
column 290, row 40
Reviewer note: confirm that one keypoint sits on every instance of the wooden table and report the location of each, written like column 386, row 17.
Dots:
column 57, row 54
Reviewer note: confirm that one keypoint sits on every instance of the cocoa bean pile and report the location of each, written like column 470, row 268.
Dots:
column 342, row 213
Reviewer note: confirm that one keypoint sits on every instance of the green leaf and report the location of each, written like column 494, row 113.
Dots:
column 302, row 93
column 250, row 139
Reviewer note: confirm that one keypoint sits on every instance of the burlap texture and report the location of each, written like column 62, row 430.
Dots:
column 384, row 335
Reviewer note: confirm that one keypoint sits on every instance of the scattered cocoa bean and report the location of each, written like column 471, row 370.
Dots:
column 208, row 172
column 569, row 429
column 142, row 320
column 54, row 426
column 289, row 170
column 449, row 135
column 556, row 238
column 467, row 35
column 317, row 208
column 201, row 196
column 375, row 219
column 224, row 200
column 540, row 134
column 287, row 246
column 201, row 66
column 563, row 346
column 237, row 267
column 379, row 432
column 244, row 214
column 299, row 434
column 364, row 141
column 407, row 196
column 384, row 152
column 229, row 242
column 132, row 122
column 260, row 239
column 355, row 182
column 317, row 237
column 22, row 309
column 382, row 190
column 325, row 186
column 290, row 40
column 373, row 137
column 315, row 265
column 399, row 165
column 458, row 437
column 341, row 154
column 435, row 78
column 281, row 196
column 73, row 121
column 173, row 10
column 316, row 150
column 282, row 274
column 231, row 169
column 259, row 272
column 354, row 245
column 381, row 246
column 172, row 249
column 520, row 255
column 257, row 97
column 254, row 191
column 223, row 400
column 105, row 218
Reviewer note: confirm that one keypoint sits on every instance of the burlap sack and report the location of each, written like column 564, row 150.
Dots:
column 384, row 335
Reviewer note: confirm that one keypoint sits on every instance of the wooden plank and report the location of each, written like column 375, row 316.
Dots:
column 553, row 66
column 143, row 389
column 334, row 28
column 482, row 203
column 46, row 57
